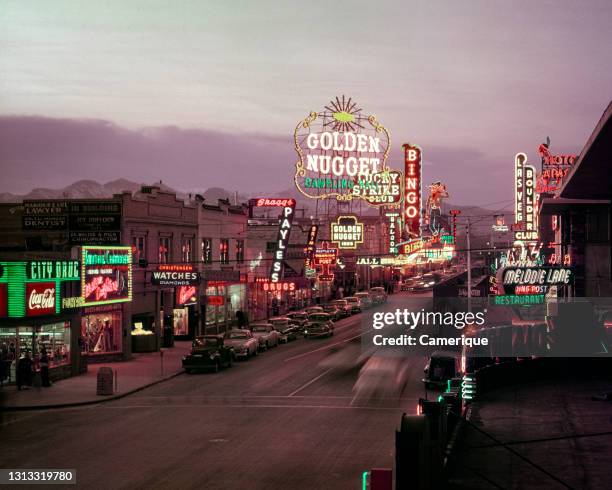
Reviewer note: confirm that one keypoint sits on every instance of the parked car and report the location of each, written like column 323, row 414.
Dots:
column 286, row 330
column 319, row 325
column 442, row 367
column 318, row 329
column 243, row 342
column 408, row 284
column 208, row 352
column 365, row 298
column 332, row 310
column 298, row 318
column 313, row 309
column 378, row 294
column 354, row 303
column 266, row 335
column 343, row 306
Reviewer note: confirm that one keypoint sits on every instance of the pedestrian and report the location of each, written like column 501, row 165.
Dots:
column 44, row 368
column 3, row 364
column 24, row 371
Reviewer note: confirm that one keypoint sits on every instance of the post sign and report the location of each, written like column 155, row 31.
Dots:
column 175, row 275
column 325, row 260
column 106, row 275
column 40, row 298
column 347, row 232
column 337, row 148
column 412, row 191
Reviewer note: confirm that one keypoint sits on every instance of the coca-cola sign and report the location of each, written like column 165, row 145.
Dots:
column 40, row 298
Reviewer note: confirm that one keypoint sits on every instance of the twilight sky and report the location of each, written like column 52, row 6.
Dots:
column 207, row 93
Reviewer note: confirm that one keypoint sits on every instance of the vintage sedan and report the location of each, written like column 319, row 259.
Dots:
column 379, row 295
column 313, row 309
column 298, row 318
column 319, row 325
column 208, row 352
column 286, row 329
column 243, row 342
column 343, row 306
column 365, row 298
column 265, row 334
column 354, row 303
column 333, row 311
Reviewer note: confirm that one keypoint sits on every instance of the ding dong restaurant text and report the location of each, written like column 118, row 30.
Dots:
column 39, row 309
column 106, row 288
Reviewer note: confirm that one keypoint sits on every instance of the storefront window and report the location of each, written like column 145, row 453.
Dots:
column 186, row 248
column 181, row 321
column 55, row 338
column 140, row 248
column 101, row 333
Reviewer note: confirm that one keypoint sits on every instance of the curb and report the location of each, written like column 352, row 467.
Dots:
column 23, row 408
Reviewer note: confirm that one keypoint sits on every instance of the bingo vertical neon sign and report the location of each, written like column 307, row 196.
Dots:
column 412, row 191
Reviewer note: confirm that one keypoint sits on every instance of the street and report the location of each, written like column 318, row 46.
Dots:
column 276, row 421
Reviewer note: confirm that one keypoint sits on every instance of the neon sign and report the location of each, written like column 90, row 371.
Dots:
column 383, row 188
column 40, row 298
column 412, row 191
column 325, row 259
column 175, row 275
column 53, row 269
column 347, row 232
column 186, row 295
column 549, row 276
column 279, row 286
column 336, row 146
column 525, row 200
column 311, row 245
column 286, row 219
column 372, row 261
column 394, row 227
column 106, row 275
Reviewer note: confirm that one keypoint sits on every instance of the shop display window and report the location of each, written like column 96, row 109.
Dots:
column 55, row 338
column 101, row 333
column 180, row 317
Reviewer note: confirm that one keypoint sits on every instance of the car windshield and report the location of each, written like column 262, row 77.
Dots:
column 260, row 329
column 206, row 342
column 339, row 302
column 352, row 300
column 318, row 317
column 237, row 335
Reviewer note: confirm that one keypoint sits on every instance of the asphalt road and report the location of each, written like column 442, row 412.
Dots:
column 280, row 421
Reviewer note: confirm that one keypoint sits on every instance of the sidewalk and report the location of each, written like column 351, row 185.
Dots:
column 142, row 371
column 555, row 424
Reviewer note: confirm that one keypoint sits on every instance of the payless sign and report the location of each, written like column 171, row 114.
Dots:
column 286, row 219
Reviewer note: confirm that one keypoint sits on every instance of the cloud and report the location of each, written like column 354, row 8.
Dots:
column 47, row 152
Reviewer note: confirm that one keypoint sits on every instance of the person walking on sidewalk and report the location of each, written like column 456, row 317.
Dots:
column 44, row 368
column 24, row 371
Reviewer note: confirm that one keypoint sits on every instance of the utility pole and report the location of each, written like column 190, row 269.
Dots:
column 469, row 268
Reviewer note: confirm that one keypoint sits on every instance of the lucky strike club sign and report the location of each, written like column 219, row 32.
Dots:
column 106, row 275
column 342, row 153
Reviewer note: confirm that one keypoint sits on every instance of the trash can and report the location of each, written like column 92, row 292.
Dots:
column 105, row 381
column 168, row 336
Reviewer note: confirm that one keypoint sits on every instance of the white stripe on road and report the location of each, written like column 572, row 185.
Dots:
column 200, row 407
column 306, row 385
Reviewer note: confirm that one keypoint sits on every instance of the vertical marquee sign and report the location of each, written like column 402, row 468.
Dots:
column 394, row 231
column 525, row 201
column 286, row 219
column 106, row 275
column 311, row 245
column 342, row 154
column 412, row 191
